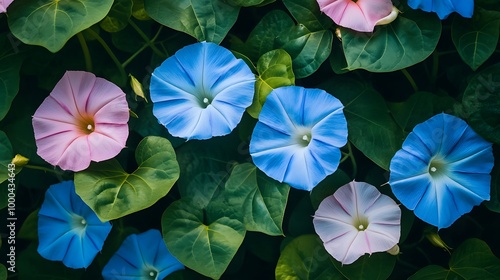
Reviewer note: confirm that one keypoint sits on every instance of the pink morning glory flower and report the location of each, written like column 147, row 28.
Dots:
column 4, row 4
column 357, row 219
column 442, row 170
column 361, row 15
column 83, row 119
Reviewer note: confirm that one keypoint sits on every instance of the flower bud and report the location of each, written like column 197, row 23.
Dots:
column 394, row 250
column 435, row 240
column 137, row 87
column 20, row 160
column 390, row 18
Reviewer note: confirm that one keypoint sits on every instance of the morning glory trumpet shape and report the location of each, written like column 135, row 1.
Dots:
column 442, row 170
column 83, row 119
column 4, row 4
column 68, row 230
column 141, row 256
column 201, row 91
column 360, row 15
column 444, row 7
column 357, row 219
column 298, row 136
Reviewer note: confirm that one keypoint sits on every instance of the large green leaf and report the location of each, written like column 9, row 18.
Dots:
column 118, row 16
column 408, row 40
column 307, row 13
column 371, row 128
column 476, row 39
column 275, row 70
column 206, row 20
column 9, row 82
column 378, row 266
column 308, row 49
column 306, row 258
column 253, row 198
column 113, row 193
column 244, row 3
column 263, row 37
column 204, row 246
column 473, row 259
column 481, row 102
column 51, row 23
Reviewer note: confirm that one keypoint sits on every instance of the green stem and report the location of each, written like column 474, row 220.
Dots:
column 149, row 42
column 86, row 52
column 132, row 57
column 353, row 160
column 43, row 169
column 110, row 53
column 410, row 79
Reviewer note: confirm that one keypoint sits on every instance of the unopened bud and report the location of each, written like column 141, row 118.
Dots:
column 394, row 250
column 137, row 87
column 20, row 160
column 390, row 18
column 436, row 240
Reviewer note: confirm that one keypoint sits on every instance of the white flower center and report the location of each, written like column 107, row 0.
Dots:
column 361, row 227
column 205, row 100
column 151, row 274
column 83, row 222
column 433, row 169
column 90, row 127
column 305, row 137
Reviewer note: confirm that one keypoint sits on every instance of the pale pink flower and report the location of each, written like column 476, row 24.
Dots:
column 4, row 4
column 357, row 219
column 360, row 15
column 83, row 119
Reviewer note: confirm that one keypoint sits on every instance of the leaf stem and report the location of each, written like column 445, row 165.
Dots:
column 110, row 53
column 149, row 42
column 410, row 79
column 36, row 167
column 353, row 160
column 86, row 52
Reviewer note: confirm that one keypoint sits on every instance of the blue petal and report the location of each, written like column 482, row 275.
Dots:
column 444, row 7
column 287, row 114
column 140, row 253
column 411, row 190
column 195, row 72
column 60, row 238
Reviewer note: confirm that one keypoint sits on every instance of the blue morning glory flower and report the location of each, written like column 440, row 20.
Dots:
column 141, row 256
column 442, row 171
column 444, row 7
column 298, row 136
column 202, row 91
column 68, row 230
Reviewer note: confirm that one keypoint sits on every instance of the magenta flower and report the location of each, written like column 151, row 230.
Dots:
column 4, row 4
column 83, row 119
column 360, row 15
column 357, row 219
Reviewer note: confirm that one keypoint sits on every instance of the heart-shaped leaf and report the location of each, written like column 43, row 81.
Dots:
column 9, row 82
column 206, row 20
column 481, row 102
column 118, row 16
column 275, row 70
column 371, row 128
column 204, row 246
column 51, row 23
column 473, row 259
column 6, row 155
column 306, row 258
column 255, row 199
column 378, row 266
column 476, row 39
column 307, row 13
column 113, row 193
column 408, row 40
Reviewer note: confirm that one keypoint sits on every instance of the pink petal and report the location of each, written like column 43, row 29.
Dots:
column 105, row 93
column 360, row 16
column 69, row 150
column 108, row 145
column 73, row 91
column 4, row 4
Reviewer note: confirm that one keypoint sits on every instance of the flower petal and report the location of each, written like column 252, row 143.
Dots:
column 202, row 91
column 444, row 7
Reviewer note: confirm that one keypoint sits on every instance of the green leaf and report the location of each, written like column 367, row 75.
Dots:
column 275, row 70
column 3, row 272
column 113, row 193
column 371, row 128
column 306, row 258
column 481, row 102
column 473, row 259
column 408, row 40
column 255, row 199
column 29, row 228
column 263, row 37
column 206, row 20
column 118, row 16
column 51, row 23
column 244, row 3
column 307, row 12
column 6, row 156
column 476, row 39
column 370, row 267
column 206, row 247
column 9, row 82
column 138, row 10
column 308, row 49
